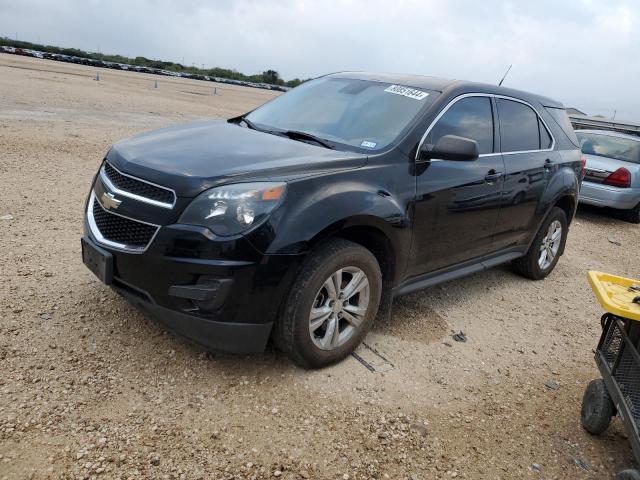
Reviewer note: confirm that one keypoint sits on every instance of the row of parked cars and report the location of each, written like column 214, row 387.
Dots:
column 134, row 68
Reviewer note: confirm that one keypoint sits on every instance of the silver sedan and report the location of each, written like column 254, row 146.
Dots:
column 612, row 171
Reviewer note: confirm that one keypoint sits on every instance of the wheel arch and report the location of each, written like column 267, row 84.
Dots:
column 371, row 233
column 565, row 199
column 568, row 203
column 391, row 251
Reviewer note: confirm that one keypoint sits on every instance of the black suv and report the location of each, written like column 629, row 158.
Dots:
column 302, row 219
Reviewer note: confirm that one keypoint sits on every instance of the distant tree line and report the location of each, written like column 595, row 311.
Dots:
column 270, row 76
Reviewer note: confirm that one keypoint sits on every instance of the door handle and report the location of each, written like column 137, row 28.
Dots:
column 548, row 165
column 492, row 176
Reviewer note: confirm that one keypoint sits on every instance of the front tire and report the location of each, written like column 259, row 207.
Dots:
column 331, row 305
column 546, row 248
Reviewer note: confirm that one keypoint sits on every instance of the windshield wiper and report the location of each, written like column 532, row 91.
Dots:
column 297, row 135
column 250, row 124
column 292, row 134
column 247, row 122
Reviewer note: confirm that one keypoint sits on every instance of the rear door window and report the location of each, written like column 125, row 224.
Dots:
column 545, row 137
column 519, row 129
column 470, row 117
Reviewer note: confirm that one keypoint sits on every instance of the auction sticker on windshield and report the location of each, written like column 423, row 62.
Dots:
column 407, row 92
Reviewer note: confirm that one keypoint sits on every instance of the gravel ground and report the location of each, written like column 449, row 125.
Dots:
column 91, row 388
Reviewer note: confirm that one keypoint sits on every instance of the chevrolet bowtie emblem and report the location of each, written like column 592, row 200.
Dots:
column 109, row 201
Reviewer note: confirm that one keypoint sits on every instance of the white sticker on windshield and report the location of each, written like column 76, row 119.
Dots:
column 407, row 92
column 367, row 144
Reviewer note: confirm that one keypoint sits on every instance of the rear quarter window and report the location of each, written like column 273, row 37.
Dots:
column 560, row 116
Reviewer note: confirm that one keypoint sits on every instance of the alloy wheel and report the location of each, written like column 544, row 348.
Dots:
column 339, row 308
column 550, row 245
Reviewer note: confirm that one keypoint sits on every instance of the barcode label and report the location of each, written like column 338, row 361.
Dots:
column 407, row 92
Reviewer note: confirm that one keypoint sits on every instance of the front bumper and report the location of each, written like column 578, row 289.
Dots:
column 609, row 196
column 223, row 295
column 243, row 338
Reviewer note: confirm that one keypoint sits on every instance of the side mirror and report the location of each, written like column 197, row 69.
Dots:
column 451, row 147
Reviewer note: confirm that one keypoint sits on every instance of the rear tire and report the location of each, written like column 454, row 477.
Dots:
column 632, row 215
column 315, row 307
column 532, row 265
column 597, row 408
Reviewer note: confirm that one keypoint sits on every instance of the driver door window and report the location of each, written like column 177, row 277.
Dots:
column 470, row 117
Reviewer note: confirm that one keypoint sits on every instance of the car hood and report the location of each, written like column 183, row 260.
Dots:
column 191, row 158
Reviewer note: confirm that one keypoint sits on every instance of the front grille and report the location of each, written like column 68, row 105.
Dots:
column 114, row 228
column 138, row 187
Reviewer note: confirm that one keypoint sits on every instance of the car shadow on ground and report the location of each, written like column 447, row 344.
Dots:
column 598, row 215
column 412, row 320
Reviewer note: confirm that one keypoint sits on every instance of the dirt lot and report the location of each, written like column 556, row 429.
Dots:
column 90, row 388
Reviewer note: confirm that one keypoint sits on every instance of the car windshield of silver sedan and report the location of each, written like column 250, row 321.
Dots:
column 620, row 148
column 365, row 115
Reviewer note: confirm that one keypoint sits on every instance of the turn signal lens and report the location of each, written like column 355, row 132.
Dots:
column 273, row 193
column 620, row 178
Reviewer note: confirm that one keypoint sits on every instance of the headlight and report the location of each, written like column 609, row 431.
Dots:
column 232, row 209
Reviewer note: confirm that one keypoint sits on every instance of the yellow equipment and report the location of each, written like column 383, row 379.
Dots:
column 617, row 357
column 616, row 294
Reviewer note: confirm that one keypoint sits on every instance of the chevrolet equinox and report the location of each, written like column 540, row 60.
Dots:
column 301, row 220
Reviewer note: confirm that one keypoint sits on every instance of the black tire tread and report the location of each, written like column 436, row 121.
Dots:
column 602, row 408
column 632, row 215
column 630, row 474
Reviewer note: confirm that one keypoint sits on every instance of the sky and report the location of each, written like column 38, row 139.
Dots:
column 584, row 53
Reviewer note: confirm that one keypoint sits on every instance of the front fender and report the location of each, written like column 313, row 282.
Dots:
column 314, row 206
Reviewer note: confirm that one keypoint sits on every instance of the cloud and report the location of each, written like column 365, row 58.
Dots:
column 581, row 52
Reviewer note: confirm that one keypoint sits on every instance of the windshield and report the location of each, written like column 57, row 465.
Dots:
column 356, row 113
column 620, row 148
